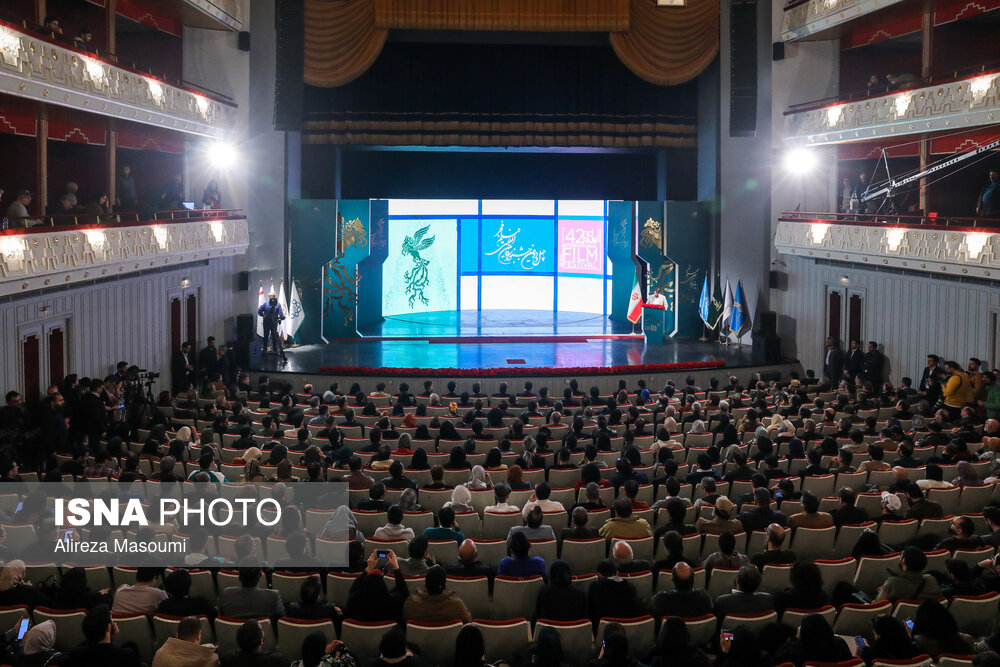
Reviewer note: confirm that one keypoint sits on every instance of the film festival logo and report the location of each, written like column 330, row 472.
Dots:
column 417, row 278
column 168, row 524
column 507, row 255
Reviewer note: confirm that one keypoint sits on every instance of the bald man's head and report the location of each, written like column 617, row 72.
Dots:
column 683, row 576
column 775, row 536
column 622, row 552
column 467, row 552
column 899, row 473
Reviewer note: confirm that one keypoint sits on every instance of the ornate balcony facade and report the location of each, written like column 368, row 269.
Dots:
column 38, row 69
column 44, row 257
column 812, row 17
column 947, row 106
column 228, row 13
column 941, row 249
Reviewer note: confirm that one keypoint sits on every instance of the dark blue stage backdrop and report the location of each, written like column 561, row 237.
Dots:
column 403, row 258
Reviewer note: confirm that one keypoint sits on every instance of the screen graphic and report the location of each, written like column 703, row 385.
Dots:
column 421, row 272
column 517, row 245
column 581, row 246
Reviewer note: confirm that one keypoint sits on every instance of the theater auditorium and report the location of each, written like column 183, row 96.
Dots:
column 467, row 333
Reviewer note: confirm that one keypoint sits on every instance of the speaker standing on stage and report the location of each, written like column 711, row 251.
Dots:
column 273, row 315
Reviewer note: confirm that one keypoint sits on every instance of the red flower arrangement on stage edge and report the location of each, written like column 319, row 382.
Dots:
column 514, row 372
column 654, row 306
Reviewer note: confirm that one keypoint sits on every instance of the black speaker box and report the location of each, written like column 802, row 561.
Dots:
column 767, row 323
column 243, row 40
column 743, row 68
column 778, row 51
column 243, row 281
column 244, row 328
column 767, row 349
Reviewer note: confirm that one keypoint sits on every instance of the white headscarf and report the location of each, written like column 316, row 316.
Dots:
column 41, row 638
column 477, row 480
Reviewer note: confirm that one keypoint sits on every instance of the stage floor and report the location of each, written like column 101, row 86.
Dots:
column 475, row 323
column 545, row 353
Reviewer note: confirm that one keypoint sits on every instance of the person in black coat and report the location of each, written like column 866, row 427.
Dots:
column 559, row 600
column 182, row 369
column 833, row 361
column 611, row 595
column 90, row 417
column 853, row 359
column 180, row 603
column 806, row 591
column 872, row 364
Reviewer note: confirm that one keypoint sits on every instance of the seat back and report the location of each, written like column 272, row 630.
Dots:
column 363, row 637
column 974, row 498
column 504, row 639
column 947, row 499
column 436, row 640
column 474, row 592
column 975, row 613
column 702, row 629
column 793, row 617
column 847, row 537
column 755, row 622
column 227, row 627
column 289, row 584
column 69, row 630
column 897, row 532
column 922, row 660
column 721, row 581
column 642, row 547
column 856, row 619
column 137, row 629
column 835, row 571
column 583, row 555
column 497, row 525
column 443, row 551
column 871, row 572
column 813, row 543
column 774, row 578
column 165, row 626
column 577, row 638
column 292, row 631
column 399, row 547
column 514, row 597
column 338, row 585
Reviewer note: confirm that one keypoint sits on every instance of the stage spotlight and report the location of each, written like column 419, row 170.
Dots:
column 800, row 161
column 222, row 155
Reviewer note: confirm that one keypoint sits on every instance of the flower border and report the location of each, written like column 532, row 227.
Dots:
column 520, row 372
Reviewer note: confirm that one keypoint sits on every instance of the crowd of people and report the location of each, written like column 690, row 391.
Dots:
column 629, row 469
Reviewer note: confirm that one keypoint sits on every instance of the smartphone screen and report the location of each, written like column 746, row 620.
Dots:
column 22, row 629
column 727, row 635
column 68, row 535
column 382, row 553
column 860, row 641
column 909, row 623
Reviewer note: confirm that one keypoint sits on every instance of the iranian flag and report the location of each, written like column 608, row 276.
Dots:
column 635, row 302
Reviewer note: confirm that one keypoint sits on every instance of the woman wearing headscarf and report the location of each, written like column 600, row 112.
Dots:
column 935, row 631
column 278, row 454
column 559, row 600
column 546, row 650
column 494, row 461
column 422, row 433
column 478, row 479
column 335, row 526
column 892, row 641
column 13, row 589
column 447, row 433
column 743, row 650
column 283, row 473
column 457, row 460
column 370, row 599
column 75, row 594
column 419, row 460
column 614, row 648
column 814, row 641
column 470, row 647
column 674, row 646
column 39, row 646
column 252, row 472
column 966, row 475
column 408, row 501
column 461, row 500
column 697, row 427
column 314, row 649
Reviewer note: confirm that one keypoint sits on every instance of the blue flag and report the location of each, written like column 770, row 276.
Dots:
column 740, row 322
column 703, row 303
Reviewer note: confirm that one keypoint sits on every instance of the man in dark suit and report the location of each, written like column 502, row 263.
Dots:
column 182, row 369
column 848, row 512
column 833, row 361
column 872, row 363
column 208, row 361
column 746, row 599
column 683, row 599
column 933, row 369
column 853, row 358
column 920, row 507
column 90, row 417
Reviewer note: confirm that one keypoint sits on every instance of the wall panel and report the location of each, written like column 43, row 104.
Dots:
column 126, row 320
column 910, row 316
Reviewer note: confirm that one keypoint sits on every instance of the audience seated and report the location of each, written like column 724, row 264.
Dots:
column 186, row 649
column 98, row 650
column 745, row 598
column 520, row 563
column 248, row 600
column 559, row 600
column 250, row 649
column 683, row 599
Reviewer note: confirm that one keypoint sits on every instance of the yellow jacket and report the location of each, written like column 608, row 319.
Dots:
column 957, row 391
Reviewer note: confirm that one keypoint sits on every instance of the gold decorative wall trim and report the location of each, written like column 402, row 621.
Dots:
column 815, row 16
column 67, row 255
column 39, row 70
column 959, row 252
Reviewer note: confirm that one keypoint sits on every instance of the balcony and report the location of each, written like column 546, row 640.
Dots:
column 39, row 69
column 958, row 247
column 46, row 256
column 948, row 105
column 811, row 18
column 212, row 13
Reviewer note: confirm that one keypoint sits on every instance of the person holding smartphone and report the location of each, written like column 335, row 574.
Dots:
column 892, row 641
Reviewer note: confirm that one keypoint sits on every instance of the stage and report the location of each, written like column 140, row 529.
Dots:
column 476, row 324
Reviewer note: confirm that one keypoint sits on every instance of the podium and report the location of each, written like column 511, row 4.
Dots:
column 654, row 323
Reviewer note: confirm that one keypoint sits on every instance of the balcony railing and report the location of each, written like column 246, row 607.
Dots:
column 226, row 12
column 43, row 70
column 970, row 102
column 34, row 222
column 966, row 247
column 807, row 18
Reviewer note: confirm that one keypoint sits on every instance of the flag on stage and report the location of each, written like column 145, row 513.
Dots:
column 295, row 312
column 635, row 302
column 261, row 300
column 727, row 309
column 704, row 303
column 283, row 324
column 715, row 308
column 740, row 322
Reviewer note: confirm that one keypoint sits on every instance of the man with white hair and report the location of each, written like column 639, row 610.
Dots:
column 624, row 558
